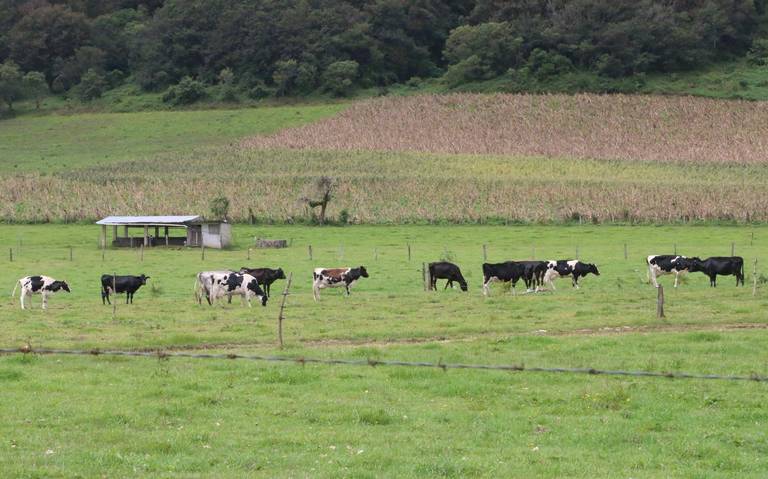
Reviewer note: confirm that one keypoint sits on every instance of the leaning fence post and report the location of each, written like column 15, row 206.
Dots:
column 754, row 278
column 660, row 302
column 282, row 307
column 114, row 297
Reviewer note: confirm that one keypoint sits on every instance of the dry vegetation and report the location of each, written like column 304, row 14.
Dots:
column 395, row 187
column 623, row 127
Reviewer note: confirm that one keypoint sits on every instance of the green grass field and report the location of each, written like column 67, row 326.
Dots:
column 87, row 416
column 50, row 143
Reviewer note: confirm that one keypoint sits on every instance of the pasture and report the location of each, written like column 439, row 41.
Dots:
column 65, row 416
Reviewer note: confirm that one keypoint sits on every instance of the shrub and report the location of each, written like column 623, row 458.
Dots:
column 344, row 216
column 187, row 91
column 758, row 54
column 91, row 86
column 340, row 76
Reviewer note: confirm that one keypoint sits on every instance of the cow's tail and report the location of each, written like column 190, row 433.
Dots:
column 13, row 293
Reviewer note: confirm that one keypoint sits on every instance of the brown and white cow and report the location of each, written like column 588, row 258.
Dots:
column 335, row 278
column 42, row 285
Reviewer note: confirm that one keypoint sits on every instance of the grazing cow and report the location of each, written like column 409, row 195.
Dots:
column 722, row 265
column 667, row 264
column 335, row 277
column 533, row 273
column 122, row 284
column 228, row 284
column 566, row 267
column 445, row 270
column 42, row 285
column 204, row 285
column 509, row 271
column 264, row 276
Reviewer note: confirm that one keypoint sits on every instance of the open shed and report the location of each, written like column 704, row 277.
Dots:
column 165, row 231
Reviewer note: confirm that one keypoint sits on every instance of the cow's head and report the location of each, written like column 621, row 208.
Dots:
column 463, row 284
column 143, row 278
column 264, row 300
column 280, row 274
column 363, row 272
column 591, row 268
column 57, row 285
column 694, row 264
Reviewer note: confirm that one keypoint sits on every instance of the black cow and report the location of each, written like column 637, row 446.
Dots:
column 445, row 270
column 667, row 264
column 509, row 271
column 533, row 273
column 722, row 265
column 265, row 276
column 122, row 284
column 564, row 267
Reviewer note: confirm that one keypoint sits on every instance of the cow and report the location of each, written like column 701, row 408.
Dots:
column 42, row 285
column 121, row 284
column 568, row 267
column 445, row 270
column 509, row 271
column 265, row 276
column 204, row 284
column 335, row 277
column 533, row 273
column 667, row 264
column 722, row 265
column 229, row 283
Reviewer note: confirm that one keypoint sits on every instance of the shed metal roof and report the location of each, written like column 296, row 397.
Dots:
column 148, row 220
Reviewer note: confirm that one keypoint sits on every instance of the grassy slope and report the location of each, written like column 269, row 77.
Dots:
column 63, row 142
column 228, row 419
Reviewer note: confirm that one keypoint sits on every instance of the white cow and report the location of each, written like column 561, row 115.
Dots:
column 42, row 285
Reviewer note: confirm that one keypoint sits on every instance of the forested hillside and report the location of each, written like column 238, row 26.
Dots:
column 236, row 49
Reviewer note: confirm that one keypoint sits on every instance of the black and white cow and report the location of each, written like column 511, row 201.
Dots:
column 722, row 265
column 42, row 285
column 228, row 284
column 568, row 267
column 335, row 278
column 446, row 270
column 507, row 272
column 121, row 284
column 667, row 264
column 265, row 276
column 204, row 284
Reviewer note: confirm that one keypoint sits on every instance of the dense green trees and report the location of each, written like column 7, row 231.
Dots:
column 239, row 48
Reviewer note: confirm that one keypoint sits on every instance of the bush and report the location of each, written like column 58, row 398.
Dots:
column 344, row 216
column 186, row 92
column 339, row 77
column 220, row 207
column 91, row 86
column 758, row 54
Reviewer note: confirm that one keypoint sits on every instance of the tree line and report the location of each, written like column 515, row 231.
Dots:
column 231, row 49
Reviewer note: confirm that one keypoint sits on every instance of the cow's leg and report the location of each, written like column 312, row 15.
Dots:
column 575, row 281
column 677, row 277
column 713, row 280
column 346, row 287
column 45, row 299
column 21, row 298
column 448, row 283
column 248, row 298
column 652, row 276
column 316, row 290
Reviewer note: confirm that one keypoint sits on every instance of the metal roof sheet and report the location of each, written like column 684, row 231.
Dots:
column 147, row 220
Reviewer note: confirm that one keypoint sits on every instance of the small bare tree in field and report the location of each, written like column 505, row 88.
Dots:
column 324, row 187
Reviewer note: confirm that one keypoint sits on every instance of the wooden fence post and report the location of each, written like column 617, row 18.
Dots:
column 202, row 252
column 10, row 254
column 280, row 317
column 733, row 248
column 577, row 252
column 752, row 239
column 424, row 276
column 114, row 296
column 102, row 255
column 70, row 253
column 533, row 252
column 341, row 252
column 249, row 254
column 141, row 252
column 309, row 248
column 660, row 302
column 409, row 251
column 625, row 251
column 674, row 249
column 485, row 253
column 754, row 278
column 375, row 254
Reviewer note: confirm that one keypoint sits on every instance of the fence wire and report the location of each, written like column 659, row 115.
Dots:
column 377, row 362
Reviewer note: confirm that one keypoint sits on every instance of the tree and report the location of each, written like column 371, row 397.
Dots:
column 187, row 91
column 220, row 208
column 324, row 189
column 340, row 76
column 11, row 83
column 91, row 86
column 35, row 87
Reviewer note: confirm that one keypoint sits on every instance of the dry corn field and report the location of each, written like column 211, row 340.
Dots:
column 651, row 128
column 455, row 158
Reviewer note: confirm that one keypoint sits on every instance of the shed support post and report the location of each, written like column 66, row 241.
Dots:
column 146, row 235
column 125, row 231
column 157, row 232
column 114, row 233
column 166, row 236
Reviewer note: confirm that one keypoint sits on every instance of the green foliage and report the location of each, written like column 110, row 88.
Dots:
column 35, row 87
column 340, row 76
column 344, row 216
column 92, row 85
column 11, row 83
column 220, row 207
column 227, row 89
column 186, row 92
column 480, row 52
column 758, row 53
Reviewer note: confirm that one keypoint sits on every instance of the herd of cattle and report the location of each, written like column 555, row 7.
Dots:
column 255, row 282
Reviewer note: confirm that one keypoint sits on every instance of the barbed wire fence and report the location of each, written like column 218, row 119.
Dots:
column 301, row 360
